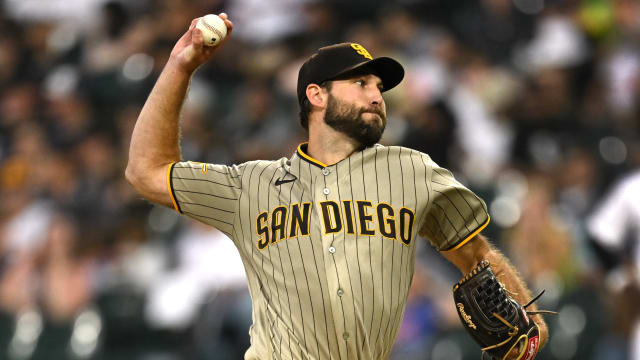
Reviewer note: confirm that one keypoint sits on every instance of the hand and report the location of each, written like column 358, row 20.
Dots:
column 189, row 52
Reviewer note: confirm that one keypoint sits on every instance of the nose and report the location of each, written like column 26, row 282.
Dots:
column 376, row 97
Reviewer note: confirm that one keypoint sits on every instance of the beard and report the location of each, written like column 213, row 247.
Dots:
column 347, row 119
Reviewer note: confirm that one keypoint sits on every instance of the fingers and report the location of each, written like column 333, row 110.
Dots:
column 187, row 35
column 194, row 22
column 227, row 22
column 197, row 40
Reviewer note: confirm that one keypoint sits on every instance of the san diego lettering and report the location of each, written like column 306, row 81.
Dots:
column 361, row 216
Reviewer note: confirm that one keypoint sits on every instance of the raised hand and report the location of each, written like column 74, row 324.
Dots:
column 190, row 52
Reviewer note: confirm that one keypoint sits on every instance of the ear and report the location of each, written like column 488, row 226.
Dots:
column 317, row 96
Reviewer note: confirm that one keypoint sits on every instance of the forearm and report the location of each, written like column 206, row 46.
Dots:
column 479, row 249
column 155, row 142
column 155, row 138
column 515, row 286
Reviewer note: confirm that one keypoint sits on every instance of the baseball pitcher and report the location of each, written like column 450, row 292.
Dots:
column 328, row 236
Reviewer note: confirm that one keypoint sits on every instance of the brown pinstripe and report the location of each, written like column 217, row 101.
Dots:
column 338, row 290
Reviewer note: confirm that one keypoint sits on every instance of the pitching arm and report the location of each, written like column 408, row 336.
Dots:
column 155, row 139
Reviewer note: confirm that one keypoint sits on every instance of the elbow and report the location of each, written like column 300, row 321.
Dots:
column 134, row 176
column 131, row 175
column 149, row 182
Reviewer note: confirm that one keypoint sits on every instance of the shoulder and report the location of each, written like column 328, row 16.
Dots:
column 262, row 164
column 262, row 167
column 420, row 161
column 625, row 189
column 401, row 151
column 624, row 192
column 631, row 182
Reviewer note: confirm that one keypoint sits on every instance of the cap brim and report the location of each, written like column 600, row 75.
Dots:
column 390, row 71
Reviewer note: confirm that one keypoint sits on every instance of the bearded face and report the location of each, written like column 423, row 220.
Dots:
column 348, row 119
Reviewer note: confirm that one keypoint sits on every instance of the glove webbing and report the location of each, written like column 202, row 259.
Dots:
column 514, row 328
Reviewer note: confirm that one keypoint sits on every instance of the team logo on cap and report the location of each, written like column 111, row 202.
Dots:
column 361, row 50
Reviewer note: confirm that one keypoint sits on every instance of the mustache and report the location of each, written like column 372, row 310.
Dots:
column 377, row 111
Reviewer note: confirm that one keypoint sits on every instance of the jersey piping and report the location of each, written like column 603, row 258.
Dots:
column 301, row 151
column 471, row 236
column 170, row 185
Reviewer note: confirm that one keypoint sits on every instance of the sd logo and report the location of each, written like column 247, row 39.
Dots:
column 361, row 50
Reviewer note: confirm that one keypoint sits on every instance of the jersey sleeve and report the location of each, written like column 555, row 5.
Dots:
column 206, row 192
column 454, row 213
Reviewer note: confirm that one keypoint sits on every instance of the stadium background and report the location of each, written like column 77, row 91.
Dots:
column 532, row 103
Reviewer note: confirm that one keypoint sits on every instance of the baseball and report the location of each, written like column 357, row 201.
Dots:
column 213, row 29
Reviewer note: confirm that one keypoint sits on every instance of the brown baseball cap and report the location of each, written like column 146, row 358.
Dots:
column 334, row 61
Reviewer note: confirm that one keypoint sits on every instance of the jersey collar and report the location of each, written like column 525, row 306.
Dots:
column 302, row 157
column 302, row 153
column 302, row 162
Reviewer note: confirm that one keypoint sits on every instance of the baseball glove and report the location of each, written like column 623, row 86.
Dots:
column 493, row 318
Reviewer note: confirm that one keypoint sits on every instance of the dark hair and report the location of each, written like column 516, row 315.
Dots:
column 305, row 106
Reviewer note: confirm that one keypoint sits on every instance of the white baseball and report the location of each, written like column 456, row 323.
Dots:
column 213, row 29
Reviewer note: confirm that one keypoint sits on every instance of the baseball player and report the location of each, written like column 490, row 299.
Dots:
column 327, row 236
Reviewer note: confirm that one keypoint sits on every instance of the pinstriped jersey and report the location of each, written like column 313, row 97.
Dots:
column 329, row 250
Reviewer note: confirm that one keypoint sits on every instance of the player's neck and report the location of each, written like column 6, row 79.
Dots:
column 329, row 146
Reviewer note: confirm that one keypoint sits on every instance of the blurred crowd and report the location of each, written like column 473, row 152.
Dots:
column 533, row 104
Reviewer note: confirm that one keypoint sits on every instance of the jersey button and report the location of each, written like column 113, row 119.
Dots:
column 325, row 191
column 345, row 335
column 325, row 171
column 340, row 292
column 332, row 249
